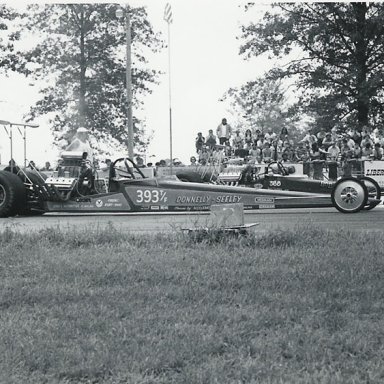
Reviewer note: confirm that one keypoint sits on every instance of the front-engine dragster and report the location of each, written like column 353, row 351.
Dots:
column 124, row 188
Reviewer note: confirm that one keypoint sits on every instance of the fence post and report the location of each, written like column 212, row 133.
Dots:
column 347, row 168
column 318, row 169
column 307, row 168
column 332, row 170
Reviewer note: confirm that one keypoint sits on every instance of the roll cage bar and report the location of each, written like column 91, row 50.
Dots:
column 129, row 164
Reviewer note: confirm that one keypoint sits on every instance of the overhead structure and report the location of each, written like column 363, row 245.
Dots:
column 9, row 132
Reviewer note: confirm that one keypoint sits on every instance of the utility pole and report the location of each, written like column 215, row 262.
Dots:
column 120, row 13
column 168, row 17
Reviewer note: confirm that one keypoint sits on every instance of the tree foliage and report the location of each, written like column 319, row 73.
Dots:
column 9, row 60
column 340, row 68
column 262, row 104
column 81, row 54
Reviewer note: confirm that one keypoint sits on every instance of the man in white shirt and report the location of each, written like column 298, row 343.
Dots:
column 333, row 152
column 81, row 143
column 224, row 131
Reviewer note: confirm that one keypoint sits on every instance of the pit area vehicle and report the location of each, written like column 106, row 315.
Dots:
column 123, row 188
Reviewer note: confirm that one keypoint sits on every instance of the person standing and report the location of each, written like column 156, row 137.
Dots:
column 199, row 142
column 81, row 143
column 224, row 131
column 211, row 139
column 267, row 152
column 248, row 138
column 333, row 152
column 238, row 140
column 377, row 152
column 284, row 133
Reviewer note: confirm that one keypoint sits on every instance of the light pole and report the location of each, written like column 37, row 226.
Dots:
column 120, row 13
column 169, row 18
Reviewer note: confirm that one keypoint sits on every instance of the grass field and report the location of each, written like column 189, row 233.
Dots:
column 299, row 306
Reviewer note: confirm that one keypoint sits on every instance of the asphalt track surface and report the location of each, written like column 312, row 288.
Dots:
column 328, row 218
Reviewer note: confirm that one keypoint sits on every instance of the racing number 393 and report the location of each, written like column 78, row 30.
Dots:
column 148, row 196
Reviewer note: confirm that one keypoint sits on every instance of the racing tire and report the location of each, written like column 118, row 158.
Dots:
column 190, row 177
column 12, row 194
column 373, row 191
column 349, row 195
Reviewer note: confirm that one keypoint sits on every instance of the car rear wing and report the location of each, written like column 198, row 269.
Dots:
column 6, row 123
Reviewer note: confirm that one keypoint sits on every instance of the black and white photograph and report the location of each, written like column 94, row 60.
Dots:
column 191, row 192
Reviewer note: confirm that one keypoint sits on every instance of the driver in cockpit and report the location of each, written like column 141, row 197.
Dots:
column 80, row 143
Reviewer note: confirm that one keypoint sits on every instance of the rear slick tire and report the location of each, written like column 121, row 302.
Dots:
column 349, row 195
column 374, row 191
column 12, row 194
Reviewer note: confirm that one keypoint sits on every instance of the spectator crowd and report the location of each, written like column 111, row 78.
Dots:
column 262, row 147
column 256, row 146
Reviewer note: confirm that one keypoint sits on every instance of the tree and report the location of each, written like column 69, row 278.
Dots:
column 262, row 104
column 340, row 73
column 81, row 53
column 9, row 60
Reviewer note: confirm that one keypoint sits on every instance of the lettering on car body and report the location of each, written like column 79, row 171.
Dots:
column 266, row 206
column 228, row 199
column 151, row 196
column 275, row 183
column 265, row 200
column 193, row 199
column 374, row 172
column 326, row 184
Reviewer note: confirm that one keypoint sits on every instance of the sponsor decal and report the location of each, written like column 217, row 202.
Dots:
column 83, row 200
column 115, row 205
column 326, row 184
column 193, row 199
column 266, row 206
column 374, row 172
column 228, row 199
column 106, row 203
column 265, row 200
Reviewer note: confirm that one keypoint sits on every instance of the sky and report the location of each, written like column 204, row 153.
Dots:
column 205, row 63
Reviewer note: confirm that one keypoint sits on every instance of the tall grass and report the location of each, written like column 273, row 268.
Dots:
column 297, row 306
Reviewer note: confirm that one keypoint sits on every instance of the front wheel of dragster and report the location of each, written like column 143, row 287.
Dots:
column 374, row 191
column 12, row 194
column 349, row 195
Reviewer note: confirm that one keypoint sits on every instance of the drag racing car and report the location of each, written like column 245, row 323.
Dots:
column 278, row 176
column 72, row 188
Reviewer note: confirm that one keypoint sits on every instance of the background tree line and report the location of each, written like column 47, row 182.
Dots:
column 332, row 53
column 78, row 53
column 338, row 74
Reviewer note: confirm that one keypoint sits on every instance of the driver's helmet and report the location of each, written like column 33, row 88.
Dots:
column 274, row 168
column 291, row 169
